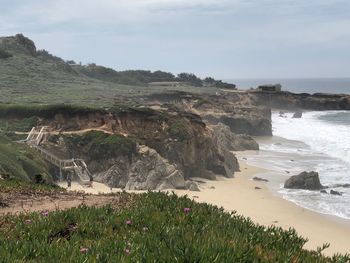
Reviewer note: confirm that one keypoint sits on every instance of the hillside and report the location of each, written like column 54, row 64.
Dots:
column 28, row 75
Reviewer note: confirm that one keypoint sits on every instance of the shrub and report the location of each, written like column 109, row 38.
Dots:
column 4, row 54
column 178, row 129
column 98, row 145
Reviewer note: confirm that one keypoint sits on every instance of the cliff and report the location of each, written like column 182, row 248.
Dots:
column 240, row 111
column 293, row 101
column 137, row 148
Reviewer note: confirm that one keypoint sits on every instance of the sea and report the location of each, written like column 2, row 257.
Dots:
column 310, row 85
column 319, row 141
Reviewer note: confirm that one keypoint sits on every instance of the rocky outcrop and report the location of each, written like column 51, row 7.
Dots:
column 297, row 115
column 241, row 124
column 224, row 140
column 18, row 42
column 292, row 101
column 333, row 192
column 192, row 186
column 260, row 179
column 305, row 180
column 180, row 140
column 240, row 111
column 223, row 136
column 147, row 171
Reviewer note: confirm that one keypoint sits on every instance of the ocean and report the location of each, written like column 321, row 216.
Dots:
column 319, row 141
column 312, row 85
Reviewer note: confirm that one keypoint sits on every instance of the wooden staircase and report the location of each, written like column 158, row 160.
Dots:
column 75, row 167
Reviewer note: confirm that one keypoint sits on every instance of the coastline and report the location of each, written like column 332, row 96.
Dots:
column 262, row 206
column 265, row 208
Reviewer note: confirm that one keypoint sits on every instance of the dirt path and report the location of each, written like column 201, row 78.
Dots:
column 16, row 203
column 101, row 129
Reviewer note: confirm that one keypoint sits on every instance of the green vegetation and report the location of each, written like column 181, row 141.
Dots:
column 38, row 77
column 190, row 79
column 21, row 125
column 155, row 228
column 178, row 129
column 128, row 77
column 15, row 185
column 4, row 54
column 218, row 83
column 21, row 162
column 46, row 111
column 98, row 145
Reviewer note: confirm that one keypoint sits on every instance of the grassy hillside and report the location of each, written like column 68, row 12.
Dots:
column 30, row 76
column 155, row 228
column 21, row 162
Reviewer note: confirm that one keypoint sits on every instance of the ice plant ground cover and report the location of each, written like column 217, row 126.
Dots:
column 158, row 227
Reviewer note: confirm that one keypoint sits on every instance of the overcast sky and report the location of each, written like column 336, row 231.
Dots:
column 221, row 38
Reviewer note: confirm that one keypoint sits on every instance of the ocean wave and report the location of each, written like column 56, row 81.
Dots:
column 319, row 141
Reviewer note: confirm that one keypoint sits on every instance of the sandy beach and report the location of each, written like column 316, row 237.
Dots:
column 263, row 207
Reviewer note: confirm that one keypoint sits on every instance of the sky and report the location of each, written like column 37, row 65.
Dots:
column 219, row 38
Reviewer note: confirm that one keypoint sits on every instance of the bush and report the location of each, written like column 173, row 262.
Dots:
column 178, row 129
column 190, row 78
column 4, row 54
column 98, row 145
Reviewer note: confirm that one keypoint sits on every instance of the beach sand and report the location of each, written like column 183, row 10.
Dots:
column 239, row 194
column 263, row 207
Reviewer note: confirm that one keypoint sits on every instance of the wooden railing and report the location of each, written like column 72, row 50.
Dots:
column 78, row 166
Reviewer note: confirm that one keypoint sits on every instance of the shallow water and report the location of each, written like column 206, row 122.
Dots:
column 310, row 85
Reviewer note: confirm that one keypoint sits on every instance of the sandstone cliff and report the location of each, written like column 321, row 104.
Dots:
column 151, row 149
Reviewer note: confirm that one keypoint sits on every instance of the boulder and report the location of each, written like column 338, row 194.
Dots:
column 323, row 192
column 192, row 186
column 297, row 115
column 332, row 192
column 146, row 171
column 151, row 171
column 260, row 179
column 305, row 180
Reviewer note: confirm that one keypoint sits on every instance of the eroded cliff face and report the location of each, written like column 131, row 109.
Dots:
column 242, row 112
column 171, row 147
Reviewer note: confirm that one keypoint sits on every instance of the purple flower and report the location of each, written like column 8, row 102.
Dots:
column 45, row 213
column 128, row 222
column 187, row 210
column 83, row 250
column 127, row 251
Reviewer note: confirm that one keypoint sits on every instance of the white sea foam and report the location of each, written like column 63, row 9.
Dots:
column 319, row 141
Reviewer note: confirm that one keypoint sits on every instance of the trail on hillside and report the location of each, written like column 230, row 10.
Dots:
column 27, row 202
column 101, row 129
